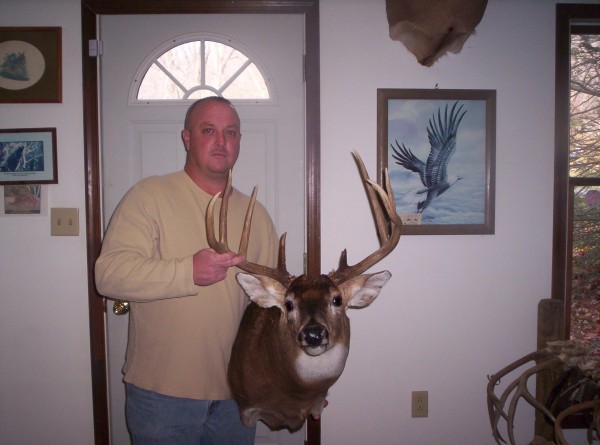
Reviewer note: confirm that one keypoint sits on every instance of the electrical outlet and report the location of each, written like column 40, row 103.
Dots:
column 420, row 404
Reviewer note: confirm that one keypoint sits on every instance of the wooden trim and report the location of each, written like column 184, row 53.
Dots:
column 94, row 229
column 561, row 140
column 313, row 143
column 90, row 10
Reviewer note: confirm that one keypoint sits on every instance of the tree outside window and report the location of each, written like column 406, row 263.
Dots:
column 584, row 185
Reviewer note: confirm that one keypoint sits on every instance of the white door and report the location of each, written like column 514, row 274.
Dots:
column 139, row 140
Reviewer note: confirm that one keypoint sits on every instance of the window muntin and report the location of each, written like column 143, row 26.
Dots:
column 193, row 68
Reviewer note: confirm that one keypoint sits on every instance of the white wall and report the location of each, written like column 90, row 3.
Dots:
column 45, row 380
column 457, row 307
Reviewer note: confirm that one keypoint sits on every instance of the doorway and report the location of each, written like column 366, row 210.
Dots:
column 91, row 10
column 141, row 138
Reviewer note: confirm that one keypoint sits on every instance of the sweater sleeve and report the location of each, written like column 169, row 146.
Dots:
column 129, row 266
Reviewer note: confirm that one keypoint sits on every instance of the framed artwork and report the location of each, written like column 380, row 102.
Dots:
column 22, row 199
column 28, row 156
column 30, row 65
column 439, row 149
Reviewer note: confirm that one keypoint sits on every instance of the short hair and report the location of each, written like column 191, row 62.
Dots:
column 201, row 101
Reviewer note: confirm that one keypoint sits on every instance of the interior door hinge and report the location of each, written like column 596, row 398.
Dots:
column 95, row 48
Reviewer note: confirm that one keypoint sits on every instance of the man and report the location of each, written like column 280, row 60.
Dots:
column 185, row 302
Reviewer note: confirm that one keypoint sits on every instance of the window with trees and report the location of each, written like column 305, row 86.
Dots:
column 576, row 245
column 194, row 67
column 584, row 183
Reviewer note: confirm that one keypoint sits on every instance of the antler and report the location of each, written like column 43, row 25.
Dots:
column 558, row 355
column 279, row 273
column 387, row 222
column 518, row 389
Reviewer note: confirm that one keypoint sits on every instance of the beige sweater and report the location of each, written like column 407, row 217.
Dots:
column 180, row 334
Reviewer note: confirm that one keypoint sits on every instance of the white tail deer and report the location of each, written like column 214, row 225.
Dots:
column 430, row 28
column 294, row 337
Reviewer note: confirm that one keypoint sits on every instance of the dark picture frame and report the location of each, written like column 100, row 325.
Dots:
column 28, row 156
column 30, row 65
column 445, row 139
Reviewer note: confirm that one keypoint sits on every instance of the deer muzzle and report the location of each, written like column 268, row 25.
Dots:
column 314, row 339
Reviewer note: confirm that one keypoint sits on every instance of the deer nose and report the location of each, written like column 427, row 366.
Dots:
column 313, row 335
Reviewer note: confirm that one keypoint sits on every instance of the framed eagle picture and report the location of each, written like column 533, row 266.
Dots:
column 439, row 149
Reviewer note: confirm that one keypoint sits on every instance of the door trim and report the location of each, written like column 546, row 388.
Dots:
column 90, row 10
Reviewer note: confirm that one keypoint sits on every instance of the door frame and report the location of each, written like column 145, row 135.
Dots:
column 90, row 12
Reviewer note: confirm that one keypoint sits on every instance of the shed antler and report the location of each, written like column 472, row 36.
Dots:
column 562, row 358
column 279, row 273
column 387, row 222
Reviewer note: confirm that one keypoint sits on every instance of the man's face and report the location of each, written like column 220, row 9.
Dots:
column 212, row 141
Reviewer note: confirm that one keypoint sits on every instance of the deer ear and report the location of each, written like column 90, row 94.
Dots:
column 264, row 291
column 360, row 291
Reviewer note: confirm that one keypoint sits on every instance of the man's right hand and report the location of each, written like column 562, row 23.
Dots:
column 211, row 267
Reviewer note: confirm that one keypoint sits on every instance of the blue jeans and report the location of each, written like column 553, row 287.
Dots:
column 156, row 419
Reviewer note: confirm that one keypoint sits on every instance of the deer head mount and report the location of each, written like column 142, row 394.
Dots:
column 430, row 28
column 294, row 337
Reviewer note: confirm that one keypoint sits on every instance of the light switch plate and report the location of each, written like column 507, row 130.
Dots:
column 64, row 221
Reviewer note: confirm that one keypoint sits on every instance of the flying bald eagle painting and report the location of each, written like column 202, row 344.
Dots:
column 437, row 159
column 434, row 172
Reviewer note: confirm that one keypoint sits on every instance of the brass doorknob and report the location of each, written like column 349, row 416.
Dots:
column 120, row 307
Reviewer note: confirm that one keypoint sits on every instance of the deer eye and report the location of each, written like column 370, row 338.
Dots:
column 289, row 306
column 337, row 301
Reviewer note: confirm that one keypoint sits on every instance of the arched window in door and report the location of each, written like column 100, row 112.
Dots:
column 193, row 67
